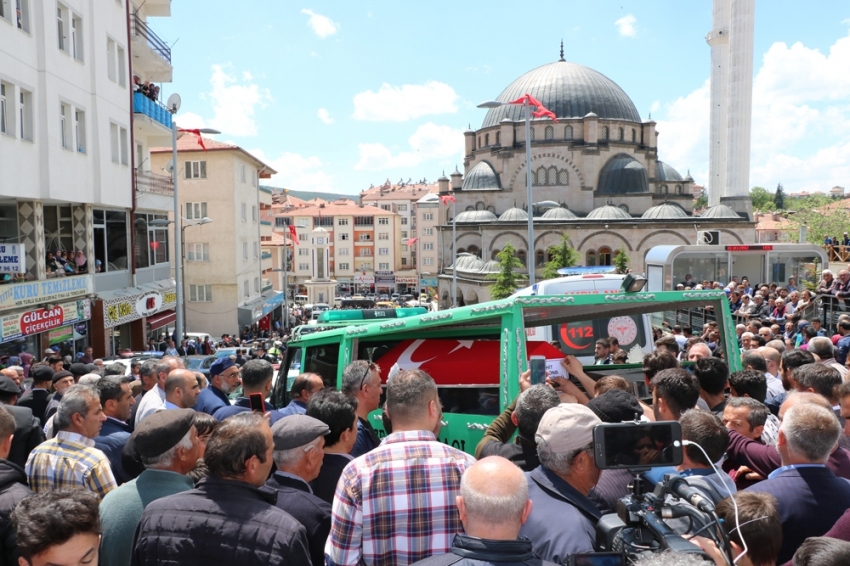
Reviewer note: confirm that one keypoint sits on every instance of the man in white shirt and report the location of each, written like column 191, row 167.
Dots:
column 154, row 399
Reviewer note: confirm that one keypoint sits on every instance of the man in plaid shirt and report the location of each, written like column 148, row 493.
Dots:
column 70, row 459
column 396, row 504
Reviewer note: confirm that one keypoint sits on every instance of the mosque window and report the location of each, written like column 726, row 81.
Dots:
column 553, row 176
column 664, row 189
column 461, row 251
column 494, row 253
column 568, row 133
column 563, row 177
column 634, row 135
column 492, row 209
column 550, row 133
column 487, row 140
column 620, row 134
column 605, row 256
column 539, row 258
column 522, row 257
column 532, row 134
column 480, row 206
column 604, row 133
column 541, row 176
column 533, row 178
column 498, row 138
column 591, row 258
column 624, row 207
column 678, row 189
column 470, row 208
column 473, row 250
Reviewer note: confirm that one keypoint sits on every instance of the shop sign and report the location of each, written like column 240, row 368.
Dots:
column 405, row 279
column 384, row 279
column 364, row 279
column 133, row 307
column 13, row 258
column 36, row 292
column 429, row 281
column 62, row 334
column 42, row 320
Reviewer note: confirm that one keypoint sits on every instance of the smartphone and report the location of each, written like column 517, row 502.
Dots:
column 537, row 365
column 629, row 446
column 597, row 559
column 257, row 404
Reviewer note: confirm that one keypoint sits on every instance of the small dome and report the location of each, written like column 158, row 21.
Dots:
column 664, row 172
column 482, row 177
column 609, row 212
column 559, row 214
column 430, row 197
column 720, row 211
column 320, row 230
column 665, row 211
column 513, row 215
column 622, row 174
column 468, row 262
column 491, row 266
column 476, row 216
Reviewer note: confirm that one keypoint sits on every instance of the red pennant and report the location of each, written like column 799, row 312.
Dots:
column 447, row 198
column 293, row 233
column 197, row 135
column 411, row 241
column 541, row 110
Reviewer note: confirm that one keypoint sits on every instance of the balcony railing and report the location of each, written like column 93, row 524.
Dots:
column 267, row 255
column 153, row 183
column 139, row 28
column 151, row 108
column 267, row 285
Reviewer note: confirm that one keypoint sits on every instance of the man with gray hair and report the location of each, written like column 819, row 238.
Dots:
column 361, row 379
column 811, row 498
column 71, row 459
column 154, row 399
column 147, row 377
column 169, row 447
column 822, row 347
column 564, row 518
column 298, row 443
column 493, row 505
column 523, row 414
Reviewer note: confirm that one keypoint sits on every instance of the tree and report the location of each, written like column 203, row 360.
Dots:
column 506, row 280
column 621, row 261
column 701, row 202
column 563, row 255
column 779, row 198
column 762, row 199
column 820, row 220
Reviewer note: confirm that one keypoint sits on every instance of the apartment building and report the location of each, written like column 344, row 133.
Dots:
column 428, row 258
column 220, row 200
column 365, row 244
column 66, row 150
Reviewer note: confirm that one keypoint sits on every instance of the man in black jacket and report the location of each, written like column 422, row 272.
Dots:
column 228, row 519
column 493, row 505
column 339, row 412
column 37, row 398
column 28, row 433
column 13, row 488
column 298, row 442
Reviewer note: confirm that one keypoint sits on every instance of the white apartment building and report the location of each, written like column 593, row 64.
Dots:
column 428, row 258
column 67, row 153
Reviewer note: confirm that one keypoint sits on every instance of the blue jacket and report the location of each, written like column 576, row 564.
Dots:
column 367, row 438
column 113, row 436
column 562, row 520
column 295, row 407
column 811, row 499
column 242, row 405
column 296, row 498
column 211, row 400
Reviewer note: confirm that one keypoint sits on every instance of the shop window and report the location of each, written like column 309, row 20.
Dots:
column 110, row 240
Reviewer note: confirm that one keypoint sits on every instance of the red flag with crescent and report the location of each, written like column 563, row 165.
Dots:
column 541, row 110
column 447, row 198
column 411, row 241
column 293, row 233
column 198, row 136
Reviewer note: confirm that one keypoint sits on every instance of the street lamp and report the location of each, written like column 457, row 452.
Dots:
column 180, row 311
column 527, row 107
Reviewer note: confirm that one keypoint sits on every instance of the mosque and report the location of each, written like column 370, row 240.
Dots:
column 596, row 177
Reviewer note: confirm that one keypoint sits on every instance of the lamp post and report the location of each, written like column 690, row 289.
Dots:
column 285, row 313
column 527, row 109
column 180, row 311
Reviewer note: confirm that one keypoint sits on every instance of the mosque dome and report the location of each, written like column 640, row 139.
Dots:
column 720, row 211
column 513, row 215
column 559, row 213
column 608, row 212
column 664, row 172
column 665, row 211
column 469, row 262
column 476, row 216
column 569, row 90
column 622, row 174
column 482, row 177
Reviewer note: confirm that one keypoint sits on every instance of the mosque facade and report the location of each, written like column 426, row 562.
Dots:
column 596, row 178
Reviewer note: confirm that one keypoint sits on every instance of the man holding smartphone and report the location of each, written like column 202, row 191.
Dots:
column 256, row 380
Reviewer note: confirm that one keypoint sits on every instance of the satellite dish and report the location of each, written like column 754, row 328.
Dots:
column 174, row 103
column 170, row 166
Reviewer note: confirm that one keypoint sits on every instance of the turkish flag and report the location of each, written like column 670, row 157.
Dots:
column 446, row 199
column 293, row 233
column 541, row 110
column 198, row 135
column 411, row 241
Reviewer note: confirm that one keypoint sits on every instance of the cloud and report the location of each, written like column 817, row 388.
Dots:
column 429, row 142
column 325, row 116
column 323, row 26
column 233, row 103
column 626, row 26
column 191, row 121
column 297, row 172
column 683, row 135
column 399, row 104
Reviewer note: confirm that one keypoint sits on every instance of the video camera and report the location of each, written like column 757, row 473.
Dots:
column 640, row 524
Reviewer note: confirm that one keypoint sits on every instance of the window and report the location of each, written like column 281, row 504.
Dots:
column 323, row 221
column 365, row 252
column 196, row 210
column 539, row 258
column 303, row 252
column 304, row 266
column 541, row 176
column 256, row 284
column 200, row 293
column 365, row 266
column 242, row 173
column 282, row 221
column 427, row 246
column 604, row 135
column 3, row 128
column 552, row 177
column 342, row 251
column 428, row 231
column 563, row 177
column 549, row 133
column 244, row 212
column 256, row 250
column 110, row 240
column 620, row 134
column 402, row 208
column 343, row 266
column 63, row 125
column 404, row 234
column 80, row 130
column 428, row 216
column 196, row 169
column 384, row 266
column 122, row 65
column 244, row 250
column 427, row 261
column 254, row 176
column 365, row 237
column 58, row 231
column 383, row 251
column 22, row 14
column 77, row 38
column 591, row 258
column 342, row 221
column 344, row 236
column 60, row 16
column 487, row 139
column 198, row 252
column 404, row 261
column 254, row 213
column 498, row 138
column 125, row 146
column 404, row 220
column 364, row 220
column 383, row 221
column 386, row 207
column 25, row 115
column 245, row 288
column 604, row 256
column 568, row 133
column 151, row 242
column 119, row 144
column 383, row 236
column 302, row 237
column 521, row 255
column 532, row 134
column 634, row 135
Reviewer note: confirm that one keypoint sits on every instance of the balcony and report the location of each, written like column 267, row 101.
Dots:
column 152, row 56
column 152, row 109
column 267, row 285
column 148, row 182
column 267, row 255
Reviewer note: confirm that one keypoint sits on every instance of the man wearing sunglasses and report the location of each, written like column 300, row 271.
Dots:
column 362, row 380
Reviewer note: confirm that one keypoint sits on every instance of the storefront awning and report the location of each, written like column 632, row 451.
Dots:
column 161, row 319
column 250, row 313
column 271, row 300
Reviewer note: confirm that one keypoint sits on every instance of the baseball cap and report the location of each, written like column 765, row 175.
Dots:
column 567, row 427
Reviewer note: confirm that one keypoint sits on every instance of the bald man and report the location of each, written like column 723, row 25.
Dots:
column 181, row 389
column 493, row 504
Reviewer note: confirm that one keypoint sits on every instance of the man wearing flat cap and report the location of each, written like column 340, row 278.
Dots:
column 169, row 446
column 298, row 443
column 28, row 433
column 224, row 378
column 62, row 380
column 36, row 398
column 564, row 518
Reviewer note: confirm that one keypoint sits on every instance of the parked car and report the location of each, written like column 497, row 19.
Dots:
column 200, row 363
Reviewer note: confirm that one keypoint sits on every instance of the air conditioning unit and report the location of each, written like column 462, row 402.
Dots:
column 708, row 238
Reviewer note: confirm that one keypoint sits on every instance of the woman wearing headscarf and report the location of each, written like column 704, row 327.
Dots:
column 81, row 262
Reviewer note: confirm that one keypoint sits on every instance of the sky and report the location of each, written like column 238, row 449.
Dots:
column 337, row 96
